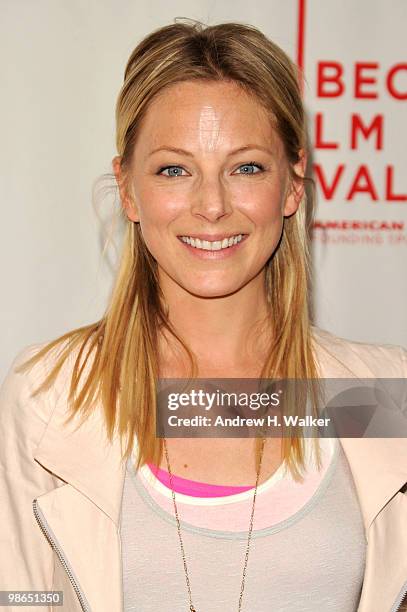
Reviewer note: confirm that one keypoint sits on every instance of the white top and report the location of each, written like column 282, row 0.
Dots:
column 307, row 552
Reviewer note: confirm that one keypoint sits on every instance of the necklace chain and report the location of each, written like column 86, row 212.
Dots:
column 191, row 605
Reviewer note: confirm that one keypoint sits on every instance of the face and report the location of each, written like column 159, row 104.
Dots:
column 210, row 187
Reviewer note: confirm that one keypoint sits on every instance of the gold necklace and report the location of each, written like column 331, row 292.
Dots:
column 191, row 605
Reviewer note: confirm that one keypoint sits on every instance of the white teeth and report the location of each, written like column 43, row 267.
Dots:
column 216, row 245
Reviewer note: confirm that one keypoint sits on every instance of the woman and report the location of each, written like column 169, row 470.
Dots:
column 214, row 275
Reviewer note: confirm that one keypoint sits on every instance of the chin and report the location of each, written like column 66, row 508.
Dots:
column 211, row 290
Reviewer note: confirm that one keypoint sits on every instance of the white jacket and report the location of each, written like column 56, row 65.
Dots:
column 60, row 490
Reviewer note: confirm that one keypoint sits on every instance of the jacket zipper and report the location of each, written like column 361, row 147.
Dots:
column 46, row 530
column 400, row 597
column 54, row 544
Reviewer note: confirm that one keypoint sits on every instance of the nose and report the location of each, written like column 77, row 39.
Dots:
column 212, row 201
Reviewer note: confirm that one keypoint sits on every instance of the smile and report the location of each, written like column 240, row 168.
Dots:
column 208, row 245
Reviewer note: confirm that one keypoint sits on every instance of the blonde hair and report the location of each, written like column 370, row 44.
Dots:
column 119, row 352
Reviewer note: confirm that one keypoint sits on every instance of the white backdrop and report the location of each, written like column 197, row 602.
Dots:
column 357, row 52
column 62, row 69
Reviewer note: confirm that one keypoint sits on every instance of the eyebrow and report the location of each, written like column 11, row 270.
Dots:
column 189, row 154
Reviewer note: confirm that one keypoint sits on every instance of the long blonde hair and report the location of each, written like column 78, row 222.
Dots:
column 116, row 358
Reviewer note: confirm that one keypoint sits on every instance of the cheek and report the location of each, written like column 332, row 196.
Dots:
column 265, row 207
column 158, row 210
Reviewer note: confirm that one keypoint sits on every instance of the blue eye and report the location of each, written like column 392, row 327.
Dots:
column 248, row 168
column 173, row 171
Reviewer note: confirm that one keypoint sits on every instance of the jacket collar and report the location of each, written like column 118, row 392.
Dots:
column 85, row 458
column 81, row 455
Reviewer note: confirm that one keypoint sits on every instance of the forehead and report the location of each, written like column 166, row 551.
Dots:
column 202, row 114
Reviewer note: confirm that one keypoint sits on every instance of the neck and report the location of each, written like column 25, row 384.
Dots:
column 223, row 332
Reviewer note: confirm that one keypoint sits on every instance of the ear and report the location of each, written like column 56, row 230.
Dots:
column 128, row 205
column 296, row 187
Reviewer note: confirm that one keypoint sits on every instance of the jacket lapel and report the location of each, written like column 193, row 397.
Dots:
column 83, row 513
column 385, row 579
column 88, row 546
column 379, row 469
